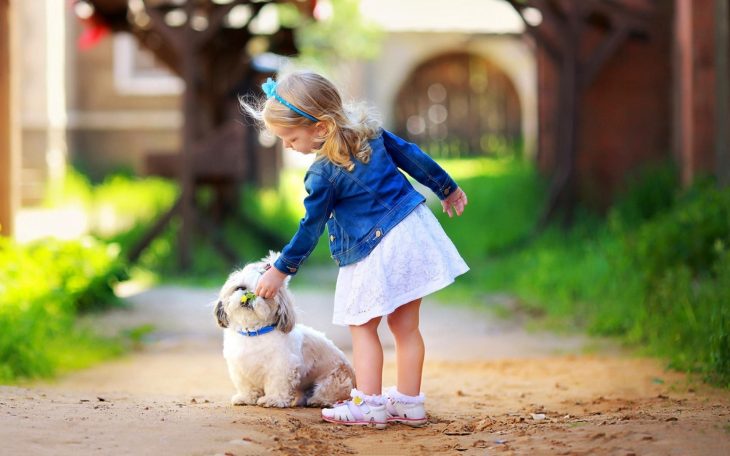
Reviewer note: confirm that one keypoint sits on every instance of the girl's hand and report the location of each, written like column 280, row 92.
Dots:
column 269, row 283
column 456, row 202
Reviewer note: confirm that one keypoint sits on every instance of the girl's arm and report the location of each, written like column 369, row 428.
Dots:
column 411, row 159
column 318, row 205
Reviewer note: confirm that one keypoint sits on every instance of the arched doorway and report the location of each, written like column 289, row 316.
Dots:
column 459, row 105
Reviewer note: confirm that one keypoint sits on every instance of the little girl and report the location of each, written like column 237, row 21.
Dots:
column 390, row 248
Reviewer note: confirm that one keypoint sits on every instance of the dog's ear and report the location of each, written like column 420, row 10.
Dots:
column 221, row 315
column 271, row 257
column 285, row 313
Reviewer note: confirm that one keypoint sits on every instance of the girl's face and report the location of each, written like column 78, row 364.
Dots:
column 301, row 139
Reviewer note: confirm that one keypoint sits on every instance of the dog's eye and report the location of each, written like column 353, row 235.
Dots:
column 241, row 288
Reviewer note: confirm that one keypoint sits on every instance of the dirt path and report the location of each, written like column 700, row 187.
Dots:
column 486, row 382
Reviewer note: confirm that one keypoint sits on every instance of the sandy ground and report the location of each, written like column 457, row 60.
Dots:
column 488, row 384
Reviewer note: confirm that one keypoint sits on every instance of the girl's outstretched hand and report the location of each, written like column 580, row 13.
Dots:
column 269, row 283
column 455, row 202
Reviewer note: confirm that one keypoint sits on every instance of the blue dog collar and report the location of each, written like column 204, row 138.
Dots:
column 258, row 332
column 269, row 88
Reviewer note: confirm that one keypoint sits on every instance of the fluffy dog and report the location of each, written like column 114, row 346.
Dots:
column 272, row 361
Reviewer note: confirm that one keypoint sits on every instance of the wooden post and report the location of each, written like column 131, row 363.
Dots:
column 722, row 92
column 8, row 149
column 190, row 71
column 685, row 87
column 560, row 34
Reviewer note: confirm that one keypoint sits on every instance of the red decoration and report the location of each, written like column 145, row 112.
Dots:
column 94, row 30
column 91, row 35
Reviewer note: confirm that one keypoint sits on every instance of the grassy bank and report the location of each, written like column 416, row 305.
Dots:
column 47, row 284
column 655, row 272
column 44, row 286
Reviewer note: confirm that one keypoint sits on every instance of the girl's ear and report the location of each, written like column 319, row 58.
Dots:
column 320, row 129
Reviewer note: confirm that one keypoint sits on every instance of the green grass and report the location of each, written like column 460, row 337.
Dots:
column 277, row 209
column 655, row 272
column 45, row 286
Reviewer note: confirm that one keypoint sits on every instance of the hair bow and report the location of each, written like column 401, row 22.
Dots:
column 269, row 88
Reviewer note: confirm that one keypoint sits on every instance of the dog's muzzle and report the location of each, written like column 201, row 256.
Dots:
column 246, row 300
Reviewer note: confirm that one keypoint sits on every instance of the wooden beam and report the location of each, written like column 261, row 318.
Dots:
column 172, row 38
column 602, row 54
column 152, row 233
column 541, row 36
column 8, row 134
column 635, row 20
column 215, row 22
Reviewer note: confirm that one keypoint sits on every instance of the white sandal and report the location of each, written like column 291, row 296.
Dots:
column 362, row 410
column 405, row 409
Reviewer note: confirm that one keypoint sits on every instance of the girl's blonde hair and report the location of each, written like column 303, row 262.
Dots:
column 348, row 128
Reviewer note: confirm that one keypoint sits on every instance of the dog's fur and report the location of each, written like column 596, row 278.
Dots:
column 292, row 365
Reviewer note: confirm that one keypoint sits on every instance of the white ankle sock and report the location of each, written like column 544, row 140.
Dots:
column 371, row 399
column 397, row 396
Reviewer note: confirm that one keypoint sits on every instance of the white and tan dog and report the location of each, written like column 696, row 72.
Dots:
column 272, row 361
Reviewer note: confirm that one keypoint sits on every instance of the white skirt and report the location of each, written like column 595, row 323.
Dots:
column 414, row 259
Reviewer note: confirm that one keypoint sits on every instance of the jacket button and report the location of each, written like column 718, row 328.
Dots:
column 377, row 233
column 332, row 238
column 447, row 190
column 292, row 269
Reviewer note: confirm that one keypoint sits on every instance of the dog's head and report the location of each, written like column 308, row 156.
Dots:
column 257, row 312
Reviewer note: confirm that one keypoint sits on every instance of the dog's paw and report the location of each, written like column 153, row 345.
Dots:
column 243, row 399
column 275, row 401
column 317, row 403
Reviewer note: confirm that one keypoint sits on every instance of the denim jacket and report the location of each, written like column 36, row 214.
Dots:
column 360, row 206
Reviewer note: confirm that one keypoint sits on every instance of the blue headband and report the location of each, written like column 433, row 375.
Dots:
column 269, row 88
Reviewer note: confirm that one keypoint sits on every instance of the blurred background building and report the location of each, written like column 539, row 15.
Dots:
column 106, row 107
column 458, row 77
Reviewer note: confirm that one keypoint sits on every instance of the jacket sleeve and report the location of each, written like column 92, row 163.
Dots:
column 411, row 159
column 318, row 205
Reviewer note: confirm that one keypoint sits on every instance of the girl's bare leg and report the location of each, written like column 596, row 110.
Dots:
column 409, row 348
column 368, row 357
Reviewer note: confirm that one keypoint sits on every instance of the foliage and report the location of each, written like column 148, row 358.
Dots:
column 653, row 272
column 277, row 210
column 504, row 192
column 345, row 34
column 43, row 286
column 121, row 207
column 649, row 192
column 46, row 285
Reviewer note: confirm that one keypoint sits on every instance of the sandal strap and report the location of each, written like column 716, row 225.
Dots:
column 348, row 411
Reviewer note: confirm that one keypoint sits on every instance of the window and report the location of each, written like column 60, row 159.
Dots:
column 137, row 71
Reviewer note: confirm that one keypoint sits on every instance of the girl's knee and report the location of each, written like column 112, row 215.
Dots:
column 403, row 322
column 369, row 326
